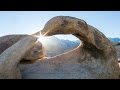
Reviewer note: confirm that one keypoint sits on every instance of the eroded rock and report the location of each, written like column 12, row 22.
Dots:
column 117, row 46
column 9, row 40
column 36, row 52
column 95, row 58
column 10, row 58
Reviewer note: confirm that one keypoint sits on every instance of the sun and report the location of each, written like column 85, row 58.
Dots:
column 41, row 38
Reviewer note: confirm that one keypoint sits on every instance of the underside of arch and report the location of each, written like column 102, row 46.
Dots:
column 92, row 39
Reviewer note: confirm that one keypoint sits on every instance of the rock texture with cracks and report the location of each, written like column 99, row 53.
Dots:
column 95, row 58
column 11, row 57
column 9, row 40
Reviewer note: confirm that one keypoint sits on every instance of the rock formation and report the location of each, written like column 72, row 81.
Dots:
column 12, row 56
column 95, row 58
column 9, row 40
column 117, row 46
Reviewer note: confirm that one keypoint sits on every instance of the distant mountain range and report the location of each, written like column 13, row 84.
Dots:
column 54, row 46
column 114, row 39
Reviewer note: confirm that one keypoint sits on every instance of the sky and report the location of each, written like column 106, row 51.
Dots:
column 29, row 22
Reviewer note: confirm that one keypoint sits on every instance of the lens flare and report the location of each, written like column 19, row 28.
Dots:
column 41, row 38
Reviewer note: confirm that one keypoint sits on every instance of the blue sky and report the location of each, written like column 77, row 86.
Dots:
column 28, row 22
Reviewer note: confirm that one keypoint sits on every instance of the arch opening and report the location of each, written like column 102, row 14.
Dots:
column 59, row 44
column 93, row 41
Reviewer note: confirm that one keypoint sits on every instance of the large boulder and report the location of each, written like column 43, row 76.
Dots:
column 95, row 58
column 117, row 46
column 11, row 57
column 9, row 40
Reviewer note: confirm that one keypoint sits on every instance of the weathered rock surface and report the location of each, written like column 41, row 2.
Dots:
column 117, row 46
column 9, row 40
column 116, row 43
column 10, row 58
column 95, row 58
column 32, row 54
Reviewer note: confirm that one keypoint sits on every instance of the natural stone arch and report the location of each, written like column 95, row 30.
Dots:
column 95, row 58
column 90, row 37
column 96, row 55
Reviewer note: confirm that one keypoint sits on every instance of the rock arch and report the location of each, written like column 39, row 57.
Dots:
column 90, row 37
column 95, row 58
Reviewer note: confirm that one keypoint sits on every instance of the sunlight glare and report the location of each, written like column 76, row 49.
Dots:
column 41, row 38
